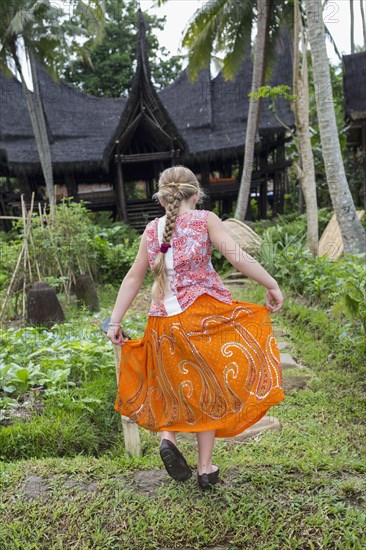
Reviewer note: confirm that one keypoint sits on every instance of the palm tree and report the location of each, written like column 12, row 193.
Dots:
column 352, row 16
column 353, row 235
column 264, row 10
column 306, row 167
column 35, row 26
column 225, row 26
column 363, row 20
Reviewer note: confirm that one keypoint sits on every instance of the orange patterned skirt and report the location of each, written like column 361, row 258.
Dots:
column 215, row 366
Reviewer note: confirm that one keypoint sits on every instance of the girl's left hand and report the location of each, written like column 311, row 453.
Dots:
column 115, row 335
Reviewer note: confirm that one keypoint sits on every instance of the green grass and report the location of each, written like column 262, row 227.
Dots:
column 302, row 487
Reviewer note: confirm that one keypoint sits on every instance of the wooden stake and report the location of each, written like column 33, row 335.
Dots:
column 57, row 261
column 130, row 429
column 25, row 230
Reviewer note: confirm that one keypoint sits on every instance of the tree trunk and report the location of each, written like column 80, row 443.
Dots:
column 40, row 134
column 353, row 234
column 352, row 15
column 363, row 19
column 44, row 144
column 306, row 173
column 264, row 8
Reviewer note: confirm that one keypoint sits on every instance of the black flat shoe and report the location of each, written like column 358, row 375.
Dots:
column 214, row 476
column 174, row 462
column 205, row 481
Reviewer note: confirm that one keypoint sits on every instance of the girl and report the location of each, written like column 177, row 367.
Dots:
column 206, row 363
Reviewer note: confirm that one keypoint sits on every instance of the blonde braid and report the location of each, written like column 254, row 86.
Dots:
column 175, row 184
column 159, row 271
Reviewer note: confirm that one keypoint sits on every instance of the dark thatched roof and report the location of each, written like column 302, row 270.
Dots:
column 354, row 81
column 211, row 114
column 79, row 125
column 204, row 119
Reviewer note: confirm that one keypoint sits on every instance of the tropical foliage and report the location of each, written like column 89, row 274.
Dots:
column 108, row 69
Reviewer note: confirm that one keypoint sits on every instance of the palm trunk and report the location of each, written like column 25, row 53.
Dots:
column 363, row 19
column 40, row 131
column 352, row 14
column 306, row 172
column 353, row 234
column 44, row 144
column 264, row 8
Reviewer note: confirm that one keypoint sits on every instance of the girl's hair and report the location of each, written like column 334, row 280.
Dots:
column 175, row 184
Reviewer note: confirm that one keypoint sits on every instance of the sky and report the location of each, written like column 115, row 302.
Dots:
column 336, row 16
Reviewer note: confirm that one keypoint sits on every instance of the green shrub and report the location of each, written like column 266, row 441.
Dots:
column 69, row 245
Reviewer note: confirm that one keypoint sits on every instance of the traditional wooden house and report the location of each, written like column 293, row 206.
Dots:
column 354, row 81
column 110, row 152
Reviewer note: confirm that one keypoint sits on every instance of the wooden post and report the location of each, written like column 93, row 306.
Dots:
column 130, row 429
column 120, row 191
column 121, row 197
column 24, row 186
column 72, row 186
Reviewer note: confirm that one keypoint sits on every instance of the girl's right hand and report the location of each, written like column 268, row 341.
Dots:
column 115, row 335
column 275, row 295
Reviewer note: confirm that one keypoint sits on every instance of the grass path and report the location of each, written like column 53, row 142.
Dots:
column 300, row 487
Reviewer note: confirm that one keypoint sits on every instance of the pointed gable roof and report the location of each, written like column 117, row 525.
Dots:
column 144, row 107
column 212, row 113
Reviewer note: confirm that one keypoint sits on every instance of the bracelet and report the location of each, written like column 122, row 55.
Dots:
column 114, row 325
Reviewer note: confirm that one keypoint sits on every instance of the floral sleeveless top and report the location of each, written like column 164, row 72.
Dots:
column 188, row 262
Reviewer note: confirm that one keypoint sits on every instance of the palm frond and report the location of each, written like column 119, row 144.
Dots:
column 213, row 29
column 242, row 40
column 200, row 36
column 328, row 34
column 93, row 15
column 20, row 21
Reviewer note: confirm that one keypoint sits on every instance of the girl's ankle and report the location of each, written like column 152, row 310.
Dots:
column 205, row 469
column 169, row 437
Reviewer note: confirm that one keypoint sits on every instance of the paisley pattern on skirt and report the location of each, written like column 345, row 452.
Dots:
column 215, row 366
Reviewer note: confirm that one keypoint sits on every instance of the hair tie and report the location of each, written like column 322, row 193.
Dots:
column 164, row 247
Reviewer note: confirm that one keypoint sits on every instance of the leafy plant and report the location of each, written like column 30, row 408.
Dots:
column 63, row 357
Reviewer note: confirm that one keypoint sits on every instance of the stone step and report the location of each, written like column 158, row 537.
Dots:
column 266, row 423
column 283, row 345
column 240, row 282
column 287, row 362
column 294, row 382
column 278, row 332
column 235, row 275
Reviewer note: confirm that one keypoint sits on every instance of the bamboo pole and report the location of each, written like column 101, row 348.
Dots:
column 27, row 224
column 35, row 261
column 58, row 262
column 25, row 229
column 15, row 272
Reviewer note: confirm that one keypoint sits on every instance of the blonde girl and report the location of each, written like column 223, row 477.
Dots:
column 206, row 363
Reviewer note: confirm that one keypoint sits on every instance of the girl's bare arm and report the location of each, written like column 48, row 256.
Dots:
column 132, row 282
column 241, row 260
